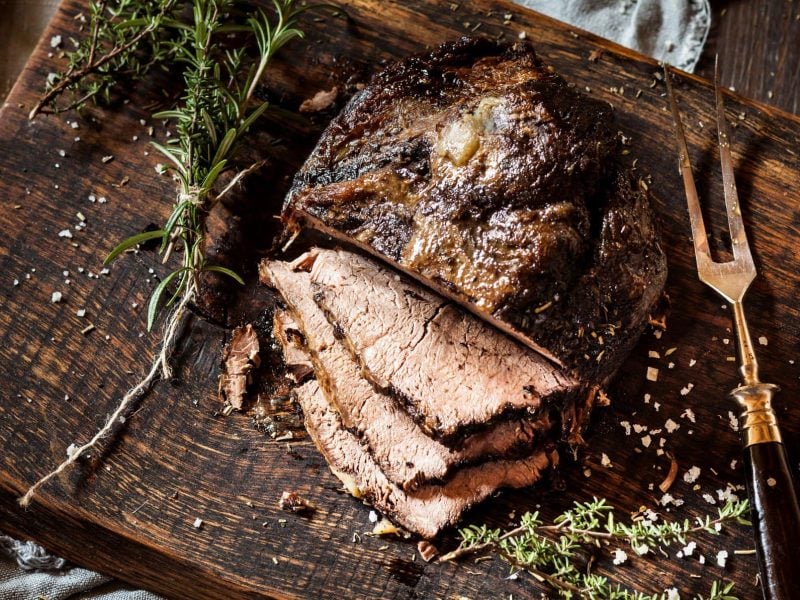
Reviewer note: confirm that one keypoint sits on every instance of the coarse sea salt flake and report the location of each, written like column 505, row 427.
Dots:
column 198, row 523
column 722, row 558
column 65, row 233
column 652, row 374
column 646, row 441
column 691, row 475
column 620, row 556
column 733, row 421
column 56, row 297
column 763, row 340
column 671, row 426
column 604, row 460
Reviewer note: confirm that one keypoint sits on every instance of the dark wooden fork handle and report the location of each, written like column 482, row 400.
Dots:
column 776, row 519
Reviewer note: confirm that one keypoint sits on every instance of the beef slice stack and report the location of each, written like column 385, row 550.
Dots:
column 417, row 405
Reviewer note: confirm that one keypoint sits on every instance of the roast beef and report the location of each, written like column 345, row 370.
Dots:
column 426, row 510
column 479, row 171
column 452, row 371
column 404, row 453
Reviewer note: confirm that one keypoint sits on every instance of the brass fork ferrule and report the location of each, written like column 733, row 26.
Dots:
column 759, row 423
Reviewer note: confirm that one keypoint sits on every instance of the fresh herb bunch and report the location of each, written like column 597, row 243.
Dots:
column 126, row 38
column 549, row 552
column 216, row 109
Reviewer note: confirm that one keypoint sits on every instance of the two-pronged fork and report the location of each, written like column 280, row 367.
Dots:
column 775, row 510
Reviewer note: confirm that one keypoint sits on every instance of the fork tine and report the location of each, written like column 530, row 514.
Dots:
column 741, row 249
column 699, row 236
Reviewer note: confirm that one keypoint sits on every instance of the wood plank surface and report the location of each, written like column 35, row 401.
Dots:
column 129, row 510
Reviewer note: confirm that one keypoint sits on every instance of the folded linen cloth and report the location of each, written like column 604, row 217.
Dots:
column 670, row 30
column 674, row 31
column 28, row 572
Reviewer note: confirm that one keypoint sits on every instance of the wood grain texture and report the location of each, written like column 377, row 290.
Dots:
column 759, row 47
column 129, row 510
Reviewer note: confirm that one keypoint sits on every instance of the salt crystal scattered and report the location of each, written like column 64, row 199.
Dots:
column 56, row 297
column 604, row 460
column 733, row 464
column 647, row 398
column 685, row 390
column 55, row 41
column 657, row 334
column 671, row 426
column 16, row 282
column 627, row 427
column 689, row 549
column 652, row 374
column 638, row 428
column 726, row 341
column 763, row 340
column 373, row 516
column 671, row 365
column 646, row 441
column 688, row 413
column 81, row 312
column 709, row 498
column 722, row 558
column 620, row 556
column 692, row 362
column 198, row 523
column 771, row 482
column 733, row 421
column 587, row 472
column 65, row 233
column 691, row 475
column 653, row 354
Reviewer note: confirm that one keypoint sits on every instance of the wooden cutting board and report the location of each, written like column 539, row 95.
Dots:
column 129, row 510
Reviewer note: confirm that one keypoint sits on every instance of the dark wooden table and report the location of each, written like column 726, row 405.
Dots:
column 759, row 46
column 129, row 510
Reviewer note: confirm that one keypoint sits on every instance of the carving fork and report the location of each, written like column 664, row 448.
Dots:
column 774, row 506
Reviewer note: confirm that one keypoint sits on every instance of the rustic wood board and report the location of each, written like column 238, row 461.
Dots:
column 129, row 511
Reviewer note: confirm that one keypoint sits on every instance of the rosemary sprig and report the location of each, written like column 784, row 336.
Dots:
column 125, row 41
column 549, row 552
column 217, row 108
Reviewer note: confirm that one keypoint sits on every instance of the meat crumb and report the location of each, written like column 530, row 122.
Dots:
column 320, row 101
column 239, row 358
column 427, row 550
column 293, row 502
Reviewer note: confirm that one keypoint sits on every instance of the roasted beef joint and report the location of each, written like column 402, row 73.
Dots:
column 479, row 180
column 480, row 172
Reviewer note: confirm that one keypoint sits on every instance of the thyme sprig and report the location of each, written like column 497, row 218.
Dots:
column 549, row 552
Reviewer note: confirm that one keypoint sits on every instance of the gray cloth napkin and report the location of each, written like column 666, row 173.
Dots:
column 670, row 30
column 674, row 31
column 29, row 572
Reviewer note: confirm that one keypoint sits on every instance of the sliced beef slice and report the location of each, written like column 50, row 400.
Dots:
column 483, row 174
column 428, row 509
column 453, row 372
column 399, row 446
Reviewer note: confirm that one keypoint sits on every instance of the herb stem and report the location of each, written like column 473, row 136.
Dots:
column 74, row 75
